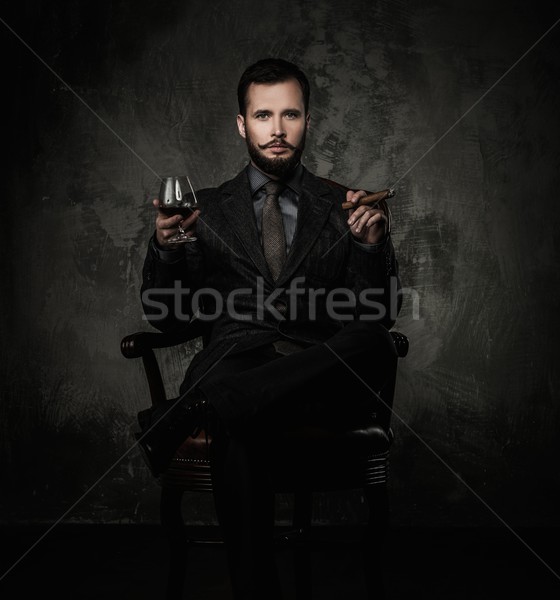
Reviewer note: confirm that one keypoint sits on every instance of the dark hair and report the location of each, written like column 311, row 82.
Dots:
column 271, row 70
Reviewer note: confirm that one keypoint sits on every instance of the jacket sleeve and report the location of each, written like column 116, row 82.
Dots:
column 372, row 273
column 168, row 286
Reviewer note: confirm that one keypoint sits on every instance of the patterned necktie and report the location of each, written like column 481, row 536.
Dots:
column 274, row 240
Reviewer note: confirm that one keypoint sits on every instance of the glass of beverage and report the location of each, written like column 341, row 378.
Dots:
column 176, row 196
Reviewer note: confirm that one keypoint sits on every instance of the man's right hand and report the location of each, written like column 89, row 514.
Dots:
column 167, row 226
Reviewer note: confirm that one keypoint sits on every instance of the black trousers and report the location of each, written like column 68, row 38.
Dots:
column 259, row 392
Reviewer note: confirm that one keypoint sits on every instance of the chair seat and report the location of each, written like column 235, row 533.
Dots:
column 321, row 459
column 190, row 468
column 305, row 458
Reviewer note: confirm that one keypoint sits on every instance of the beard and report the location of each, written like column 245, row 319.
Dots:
column 278, row 166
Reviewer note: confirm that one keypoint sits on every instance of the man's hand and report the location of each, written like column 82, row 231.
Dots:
column 167, row 226
column 368, row 225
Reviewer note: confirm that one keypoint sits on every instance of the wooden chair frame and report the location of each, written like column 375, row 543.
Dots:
column 339, row 469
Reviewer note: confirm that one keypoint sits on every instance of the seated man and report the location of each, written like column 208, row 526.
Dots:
column 296, row 295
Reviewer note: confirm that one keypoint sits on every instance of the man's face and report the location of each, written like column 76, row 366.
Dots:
column 274, row 126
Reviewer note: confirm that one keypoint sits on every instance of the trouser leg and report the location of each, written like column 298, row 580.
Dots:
column 347, row 369
column 244, row 502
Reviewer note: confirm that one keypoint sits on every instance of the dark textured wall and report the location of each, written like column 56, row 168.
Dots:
column 409, row 94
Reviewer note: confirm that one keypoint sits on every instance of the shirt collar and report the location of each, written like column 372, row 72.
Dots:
column 257, row 179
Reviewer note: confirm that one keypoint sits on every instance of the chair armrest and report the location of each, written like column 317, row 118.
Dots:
column 140, row 343
column 401, row 343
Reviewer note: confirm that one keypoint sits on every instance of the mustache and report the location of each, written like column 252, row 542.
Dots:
column 279, row 144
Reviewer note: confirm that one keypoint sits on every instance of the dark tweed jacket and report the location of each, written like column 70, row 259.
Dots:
column 225, row 276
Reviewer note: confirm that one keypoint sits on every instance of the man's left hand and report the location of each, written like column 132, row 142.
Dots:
column 368, row 225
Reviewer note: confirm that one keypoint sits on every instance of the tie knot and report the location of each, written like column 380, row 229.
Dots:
column 273, row 188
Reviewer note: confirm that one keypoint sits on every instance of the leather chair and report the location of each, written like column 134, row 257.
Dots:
column 309, row 460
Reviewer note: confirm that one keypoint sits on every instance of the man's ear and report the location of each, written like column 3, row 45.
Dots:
column 307, row 119
column 241, row 126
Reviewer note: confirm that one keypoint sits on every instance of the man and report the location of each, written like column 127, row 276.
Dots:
column 295, row 333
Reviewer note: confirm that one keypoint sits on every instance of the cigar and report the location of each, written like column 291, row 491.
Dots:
column 371, row 199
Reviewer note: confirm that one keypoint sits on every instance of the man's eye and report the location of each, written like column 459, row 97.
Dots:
column 261, row 116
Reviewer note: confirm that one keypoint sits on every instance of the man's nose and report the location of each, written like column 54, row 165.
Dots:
column 278, row 129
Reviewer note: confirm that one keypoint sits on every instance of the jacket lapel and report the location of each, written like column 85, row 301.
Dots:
column 314, row 207
column 237, row 206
